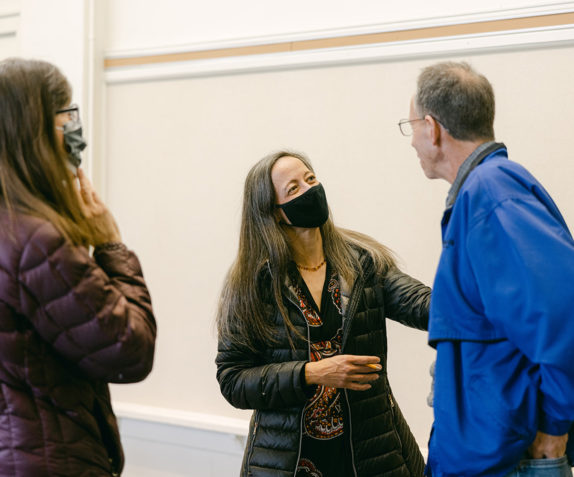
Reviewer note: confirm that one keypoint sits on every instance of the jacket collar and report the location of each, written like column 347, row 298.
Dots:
column 475, row 158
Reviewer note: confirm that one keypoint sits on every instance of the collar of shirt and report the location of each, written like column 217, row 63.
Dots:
column 468, row 165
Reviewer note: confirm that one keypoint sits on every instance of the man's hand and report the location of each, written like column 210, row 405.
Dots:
column 344, row 371
column 546, row 446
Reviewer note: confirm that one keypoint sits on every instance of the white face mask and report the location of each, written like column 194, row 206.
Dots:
column 74, row 142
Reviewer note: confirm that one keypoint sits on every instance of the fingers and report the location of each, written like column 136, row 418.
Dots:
column 102, row 221
column 364, row 360
column 86, row 190
column 366, row 363
column 361, row 371
column 361, row 365
column 363, row 378
column 548, row 446
column 89, row 196
column 536, row 455
column 358, row 387
column 344, row 371
column 361, row 382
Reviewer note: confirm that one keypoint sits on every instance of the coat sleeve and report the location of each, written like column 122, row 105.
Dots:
column 522, row 258
column 95, row 312
column 406, row 299
column 248, row 383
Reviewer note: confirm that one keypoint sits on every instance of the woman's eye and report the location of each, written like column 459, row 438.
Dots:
column 311, row 179
column 292, row 189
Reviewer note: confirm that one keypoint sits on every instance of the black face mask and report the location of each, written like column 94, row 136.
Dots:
column 309, row 210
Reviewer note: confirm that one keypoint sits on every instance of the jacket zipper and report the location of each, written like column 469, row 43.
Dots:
column 350, row 433
column 393, row 413
column 303, row 411
column 300, row 441
column 354, row 303
column 252, row 443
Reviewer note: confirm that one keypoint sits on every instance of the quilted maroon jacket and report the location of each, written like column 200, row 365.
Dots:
column 69, row 324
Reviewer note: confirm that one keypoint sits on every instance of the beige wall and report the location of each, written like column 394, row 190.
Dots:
column 178, row 152
column 9, row 21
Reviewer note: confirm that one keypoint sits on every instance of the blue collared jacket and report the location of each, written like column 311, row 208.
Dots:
column 502, row 322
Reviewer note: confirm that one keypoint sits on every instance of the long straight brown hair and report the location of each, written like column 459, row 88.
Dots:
column 263, row 243
column 34, row 178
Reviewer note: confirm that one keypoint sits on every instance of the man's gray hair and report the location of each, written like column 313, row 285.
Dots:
column 459, row 98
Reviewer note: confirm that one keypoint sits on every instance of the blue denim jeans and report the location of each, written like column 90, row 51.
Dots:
column 542, row 468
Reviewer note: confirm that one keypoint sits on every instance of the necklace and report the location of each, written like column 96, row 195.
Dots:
column 311, row 269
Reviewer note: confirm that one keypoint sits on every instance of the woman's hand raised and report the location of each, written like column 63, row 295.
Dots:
column 344, row 371
column 102, row 221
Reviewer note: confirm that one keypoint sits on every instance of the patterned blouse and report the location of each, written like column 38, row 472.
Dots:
column 325, row 447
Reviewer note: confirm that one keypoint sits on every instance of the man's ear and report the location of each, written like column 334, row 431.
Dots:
column 434, row 130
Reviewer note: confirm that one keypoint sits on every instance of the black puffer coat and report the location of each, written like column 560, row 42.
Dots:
column 270, row 382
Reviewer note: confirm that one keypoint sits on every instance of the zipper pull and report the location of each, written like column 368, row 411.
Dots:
column 391, row 401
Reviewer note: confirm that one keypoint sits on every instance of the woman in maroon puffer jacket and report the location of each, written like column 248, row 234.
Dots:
column 70, row 323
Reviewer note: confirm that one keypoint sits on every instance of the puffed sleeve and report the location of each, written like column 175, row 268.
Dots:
column 95, row 312
column 406, row 299
column 247, row 382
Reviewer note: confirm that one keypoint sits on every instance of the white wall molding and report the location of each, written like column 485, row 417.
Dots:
column 429, row 22
column 9, row 20
column 161, row 442
column 9, row 8
column 174, row 417
column 428, row 47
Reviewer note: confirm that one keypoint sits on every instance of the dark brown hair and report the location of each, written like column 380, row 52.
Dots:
column 34, row 178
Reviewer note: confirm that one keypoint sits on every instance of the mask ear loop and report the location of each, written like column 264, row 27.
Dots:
column 279, row 216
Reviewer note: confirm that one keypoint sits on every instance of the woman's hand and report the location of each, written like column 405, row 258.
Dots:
column 344, row 371
column 546, row 446
column 102, row 222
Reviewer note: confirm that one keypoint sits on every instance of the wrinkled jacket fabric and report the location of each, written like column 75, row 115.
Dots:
column 270, row 382
column 69, row 324
column 501, row 316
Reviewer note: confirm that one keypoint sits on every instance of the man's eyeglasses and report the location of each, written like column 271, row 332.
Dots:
column 406, row 127
column 73, row 112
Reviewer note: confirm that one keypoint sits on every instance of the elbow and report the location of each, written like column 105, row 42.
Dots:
column 139, row 349
column 134, row 362
column 230, row 388
column 134, row 372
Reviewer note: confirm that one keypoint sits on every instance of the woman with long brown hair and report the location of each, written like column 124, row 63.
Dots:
column 70, row 321
column 302, row 334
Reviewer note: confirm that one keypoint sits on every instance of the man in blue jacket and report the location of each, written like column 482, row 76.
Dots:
column 502, row 308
